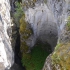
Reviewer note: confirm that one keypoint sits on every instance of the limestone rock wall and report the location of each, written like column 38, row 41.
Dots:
column 25, row 33
column 44, row 10
column 49, row 20
column 43, row 24
column 60, row 57
column 6, row 52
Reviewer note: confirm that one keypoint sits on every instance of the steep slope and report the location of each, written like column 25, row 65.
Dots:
column 6, row 52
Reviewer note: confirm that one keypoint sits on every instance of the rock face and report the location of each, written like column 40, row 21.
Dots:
column 44, row 20
column 25, row 33
column 47, row 15
column 60, row 58
column 43, row 25
column 6, row 52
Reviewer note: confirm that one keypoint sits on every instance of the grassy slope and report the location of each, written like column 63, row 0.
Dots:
column 36, row 62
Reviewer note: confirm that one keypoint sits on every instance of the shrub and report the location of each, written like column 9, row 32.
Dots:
column 18, row 13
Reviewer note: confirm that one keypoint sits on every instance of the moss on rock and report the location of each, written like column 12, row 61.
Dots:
column 24, row 47
column 24, row 28
column 35, row 60
column 25, row 32
column 61, row 57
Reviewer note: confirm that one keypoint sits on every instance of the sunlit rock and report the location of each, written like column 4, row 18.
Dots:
column 60, row 57
column 6, row 52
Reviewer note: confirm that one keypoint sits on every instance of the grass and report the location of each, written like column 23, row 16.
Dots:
column 36, row 59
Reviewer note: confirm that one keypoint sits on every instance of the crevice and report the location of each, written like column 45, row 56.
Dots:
column 45, row 46
column 17, row 52
column 17, row 55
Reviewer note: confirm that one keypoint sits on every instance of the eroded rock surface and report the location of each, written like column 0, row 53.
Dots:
column 6, row 52
column 43, row 25
column 49, row 20
column 60, row 57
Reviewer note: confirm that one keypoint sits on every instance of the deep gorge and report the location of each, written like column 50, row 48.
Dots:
column 45, row 48
column 27, row 56
column 35, row 35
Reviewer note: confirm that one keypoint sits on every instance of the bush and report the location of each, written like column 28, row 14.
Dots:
column 18, row 13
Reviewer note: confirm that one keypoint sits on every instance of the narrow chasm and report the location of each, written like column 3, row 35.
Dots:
column 33, row 60
column 17, row 56
column 15, row 39
column 24, row 60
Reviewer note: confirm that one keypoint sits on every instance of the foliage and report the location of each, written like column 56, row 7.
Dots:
column 36, row 59
column 19, row 10
column 18, row 13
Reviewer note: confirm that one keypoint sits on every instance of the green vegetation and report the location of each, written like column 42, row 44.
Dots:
column 35, row 60
column 61, row 57
column 68, row 23
column 24, row 30
column 25, row 33
column 19, row 12
column 57, row 46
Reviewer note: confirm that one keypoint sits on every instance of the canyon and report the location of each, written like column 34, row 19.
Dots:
column 44, row 21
